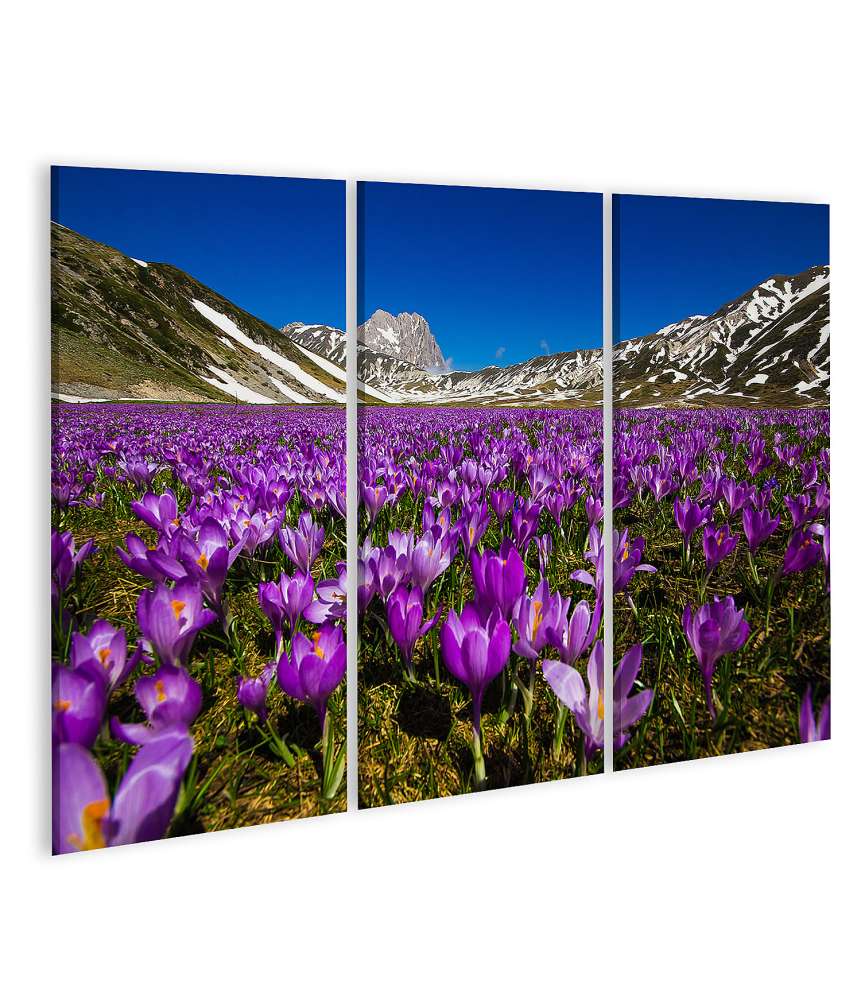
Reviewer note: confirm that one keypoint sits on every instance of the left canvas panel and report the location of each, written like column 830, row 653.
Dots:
column 198, row 478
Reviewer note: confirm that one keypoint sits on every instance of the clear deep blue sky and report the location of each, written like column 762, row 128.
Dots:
column 272, row 245
column 676, row 257
column 501, row 275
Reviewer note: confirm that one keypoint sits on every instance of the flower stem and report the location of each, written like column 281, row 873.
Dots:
column 333, row 764
column 508, row 711
column 561, row 719
column 478, row 758
column 753, row 567
column 582, row 766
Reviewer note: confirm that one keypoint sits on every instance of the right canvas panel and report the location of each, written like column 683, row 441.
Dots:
column 720, row 477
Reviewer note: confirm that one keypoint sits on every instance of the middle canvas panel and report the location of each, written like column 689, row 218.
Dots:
column 480, row 476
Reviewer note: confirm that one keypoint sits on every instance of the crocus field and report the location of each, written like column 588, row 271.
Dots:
column 198, row 593
column 480, row 662
column 199, row 601
column 726, row 514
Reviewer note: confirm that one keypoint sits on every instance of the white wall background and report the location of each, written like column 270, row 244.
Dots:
column 734, row 877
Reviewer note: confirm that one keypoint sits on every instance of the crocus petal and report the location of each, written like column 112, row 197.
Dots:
column 80, row 800
column 567, row 684
column 144, row 803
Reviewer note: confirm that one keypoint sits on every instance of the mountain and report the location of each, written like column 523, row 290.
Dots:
column 387, row 376
column 127, row 329
column 406, row 336
column 326, row 341
column 768, row 347
column 123, row 328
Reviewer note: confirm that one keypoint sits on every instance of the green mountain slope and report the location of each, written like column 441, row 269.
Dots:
column 121, row 329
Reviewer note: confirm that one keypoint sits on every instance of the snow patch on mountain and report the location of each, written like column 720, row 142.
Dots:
column 227, row 383
column 232, row 330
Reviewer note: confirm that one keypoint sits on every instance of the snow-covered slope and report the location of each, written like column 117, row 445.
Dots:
column 770, row 346
column 559, row 379
column 122, row 328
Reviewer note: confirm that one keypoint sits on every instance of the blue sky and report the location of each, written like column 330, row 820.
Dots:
column 501, row 275
column 676, row 257
column 272, row 245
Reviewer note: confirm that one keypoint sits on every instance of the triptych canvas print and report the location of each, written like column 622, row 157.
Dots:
column 200, row 583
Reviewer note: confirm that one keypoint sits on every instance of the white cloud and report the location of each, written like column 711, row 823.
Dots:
column 500, row 351
column 545, row 347
column 446, row 366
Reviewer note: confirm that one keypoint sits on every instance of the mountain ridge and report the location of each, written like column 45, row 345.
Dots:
column 122, row 328
column 767, row 346
column 406, row 336
column 129, row 329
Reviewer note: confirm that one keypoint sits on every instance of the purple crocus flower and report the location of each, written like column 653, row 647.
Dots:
column 538, row 618
column 250, row 531
column 139, row 558
column 431, row 557
column 387, row 570
column 404, row 613
column 84, row 818
column 374, row 498
column 475, row 649
column 102, row 652
column 170, row 619
column 736, row 494
column 78, row 701
column 159, row 512
column 499, row 578
column 627, row 709
column 713, row 631
column 303, row 543
column 502, row 501
column 285, row 601
column 137, row 470
column 206, row 559
column 588, row 710
column 544, row 544
column 65, row 559
column 64, row 490
column 690, row 516
column 555, row 503
column 438, row 518
column 627, row 554
column 472, row 524
column 802, row 552
column 170, row 698
column 758, row 525
column 567, row 684
column 331, row 601
column 799, row 508
column 251, row 692
column 809, row 474
column 314, row 667
column 810, row 728
column 572, row 637
column 594, row 510
column 524, row 523
column 403, row 542
column 718, row 543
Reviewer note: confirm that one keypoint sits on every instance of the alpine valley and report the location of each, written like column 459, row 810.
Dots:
column 128, row 329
